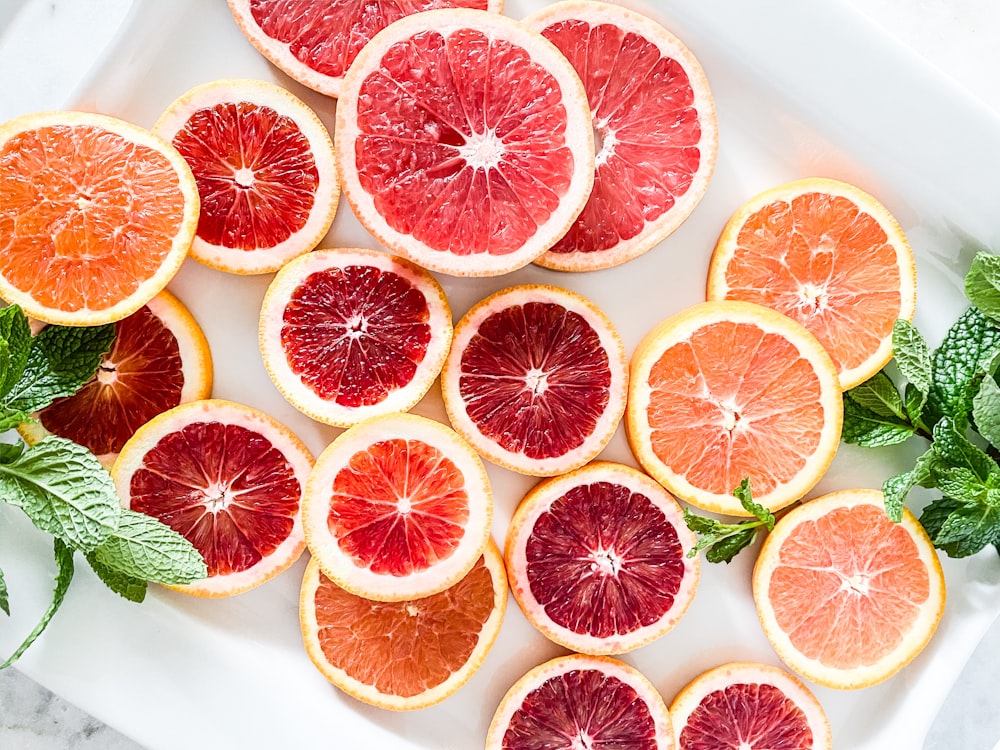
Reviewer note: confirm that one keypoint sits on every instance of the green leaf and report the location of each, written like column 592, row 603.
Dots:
column 64, row 490
column 61, row 359
column 959, row 364
column 912, row 355
column 15, row 332
column 864, row 427
column 955, row 450
column 967, row 529
column 10, row 452
column 915, row 400
column 744, row 495
column 986, row 411
column 962, row 484
column 896, row 488
column 11, row 419
column 64, row 561
column 879, row 396
column 700, row 524
column 982, row 283
column 936, row 513
column 133, row 589
column 143, row 547
column 4, row 602
column 728, row 547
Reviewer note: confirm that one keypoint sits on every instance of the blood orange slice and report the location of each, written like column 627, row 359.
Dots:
column 464, row 141
column 159, row 359
column 723, row 391
column 409, row 654
column 597, row 559
column 748, row 706
column 830, row 256
column 536, row 379
column 96, row 216
column 656, row 134
column 315, row 41
column 227, row 477
column 264, row 166
column 351, row 334
column 574, row 702
column 398, row 507
column 847, row 597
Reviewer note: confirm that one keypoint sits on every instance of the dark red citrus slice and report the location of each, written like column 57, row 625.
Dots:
column 597, row 559
column 575, row 702
column 398, row 507
column 351, row 334
column 536, row 379
column 228, row 478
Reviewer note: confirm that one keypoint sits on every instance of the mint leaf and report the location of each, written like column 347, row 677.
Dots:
column 912, row 355
column 10, row 452
column 727, row 548
column 986, row 411
column 133, row 589
column 878, row 395
column 896, row 488
column 963, row 485
column 744, row 495
column 955, row 450
column 864, row 427
column 4, row 602
column 11, row 419
column 64, row 561
column 959, row 364
column 702, row 525
column 15, row 332
column 967, row 529
column 61, row 359
column 143, row 547
column 725, row 540
column 936, row 513
column 982, row 283
column 914, row 399
column 64, row 490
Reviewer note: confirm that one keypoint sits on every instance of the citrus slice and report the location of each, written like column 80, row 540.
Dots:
column 398, row 507
column 847, row 597
column 96, row 216
column 409, row 654
column 315, row 41
column 159, row 359
column 597, row 559
column 723, row 391
column 536, row 379
column 830, row 256
column 464, row 141
column 264, row 166
column 656, row 135
column 749, row 707
column 227, row 477
column 351, row 334
column 576, row 701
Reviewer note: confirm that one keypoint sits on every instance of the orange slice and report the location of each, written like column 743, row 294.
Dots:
column 727, row 390
column 464, row 141
column 96, row 216
column 847, row 597
column 830, row 256
column 409, row 654
column 398, row 507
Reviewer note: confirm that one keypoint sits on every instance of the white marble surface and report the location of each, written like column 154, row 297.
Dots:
column 961, row 37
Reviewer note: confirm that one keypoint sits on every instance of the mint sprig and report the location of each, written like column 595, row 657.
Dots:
column 723, row 541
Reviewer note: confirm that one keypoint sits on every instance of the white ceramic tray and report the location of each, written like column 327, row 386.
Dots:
column 802, row 89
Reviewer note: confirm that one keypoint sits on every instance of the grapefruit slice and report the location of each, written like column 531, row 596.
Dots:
column 655, row 129
column 464, row 142
column 597, row 559
column 574, row 702
column 847, row 597
column 315, row 41
column 536, row 379
column 829, row 255
column 750, row 707
column 96, row 216
column 398, row 507
column 159, row 359
column 228, row 478
column 409, row 654
column 352, row 334
column 727, row 390
column 264, row 166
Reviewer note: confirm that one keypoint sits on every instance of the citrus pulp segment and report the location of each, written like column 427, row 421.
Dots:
column 536, row 379
column 409, row 654
column 227, row 477
column 96, row 216
column 597, row 559
column 264, row 166
column 398, row 507
column 315, row 41
column 352, row 334
column 656, row 133
column 159, row 359
column 578, row 701
column 464, row 141
column 847, row 597
column 829, row 255
column 750, row 707
column 727, row 390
